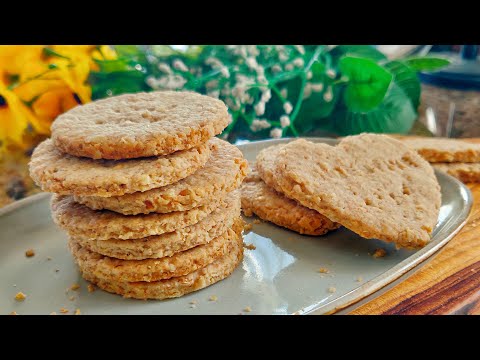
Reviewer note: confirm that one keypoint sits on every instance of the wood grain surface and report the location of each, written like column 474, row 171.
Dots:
column 449, row 284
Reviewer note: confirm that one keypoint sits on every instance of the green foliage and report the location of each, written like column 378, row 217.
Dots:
column 426, row 63
column 273, row 90
column 367, row 84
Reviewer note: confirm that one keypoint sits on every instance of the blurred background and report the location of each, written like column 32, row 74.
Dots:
column 271, row 91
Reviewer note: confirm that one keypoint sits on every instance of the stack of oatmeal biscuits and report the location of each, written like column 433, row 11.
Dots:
column 146, row 192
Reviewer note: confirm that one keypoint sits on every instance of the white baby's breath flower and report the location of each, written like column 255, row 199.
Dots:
column 287, row 107
column 165, row 68
column 251, row 63
column 317, row 87
column 282, row 56
column 262, row 79
column 289, row 67
column 266, row 95
column 171, row 82
column 307, row 90
column 212, row 84
column 224, row 71
column 260, row 108
column 328, row 96
column 276, row 133
column 300, row 49
column 180, row 65
column 276, row 68
column 331, row 73
column 258, row 125
column 284, row 93
column 309, row 75
column 151, row 81
column 284, row 121
column 299, row 62
column 213, row 62
column 215, row 94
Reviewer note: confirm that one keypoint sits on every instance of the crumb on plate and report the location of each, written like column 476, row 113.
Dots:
column 20, row 296
column 257, row 221
column 78, row 312
column 64, row 311
column 323, row 270
column 213, row 298
column 359, row 279
column 13, row 313
column 331, row 289
column 75, row 287
column 29, row 253
column 90, row 288
column 379, row 253
column 249, row 246
column 247, row 309
column 53, row 313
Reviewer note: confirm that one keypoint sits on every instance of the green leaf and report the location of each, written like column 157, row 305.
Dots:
column 426, row 63
column 367, row 85
column 49, row 52
column 406, row 79
column 395, row 114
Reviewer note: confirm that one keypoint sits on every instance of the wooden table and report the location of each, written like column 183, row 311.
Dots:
column 448, row 284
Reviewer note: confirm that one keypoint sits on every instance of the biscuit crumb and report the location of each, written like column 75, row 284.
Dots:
column 53, row 313
column 75, row 287
column 78, row 312
column 249, row 246
column 247, row 309
column 331, row 289
column 29, row 253
column 257, row 221
column 379, row 253
column 20, row 296
column 193, row 302
column 247, row 227
column 71, row 298
column 13, row 313
column 193, row 306
column 359, row 279
column 296, row 313
column 49, row 258
column 90, row 288
column 57, row 270
column 64, row 311
column 323, row 270
column 213, row 298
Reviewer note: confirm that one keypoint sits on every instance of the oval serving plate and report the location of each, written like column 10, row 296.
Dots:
column 279, row 277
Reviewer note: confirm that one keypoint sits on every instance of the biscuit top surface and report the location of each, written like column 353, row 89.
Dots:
column 139, row 125
column 372, row 184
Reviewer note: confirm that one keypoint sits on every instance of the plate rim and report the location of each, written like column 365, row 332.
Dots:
column 401, row 271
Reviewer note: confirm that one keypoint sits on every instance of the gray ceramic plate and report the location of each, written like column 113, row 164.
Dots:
column 279, row 277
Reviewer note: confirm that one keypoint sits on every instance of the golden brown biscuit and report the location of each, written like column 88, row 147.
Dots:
column 223, row 172
column 81, row 221
column 179, row 264
column 372, row 184
column 444, row 150
column 139, row 125
column 269, row 205
column 465, row 172
column 64, row 174
column 176, row 286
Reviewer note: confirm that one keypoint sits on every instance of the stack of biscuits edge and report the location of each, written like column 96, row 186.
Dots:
column 371, row 184
column 455, row 157
column 145, row 192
